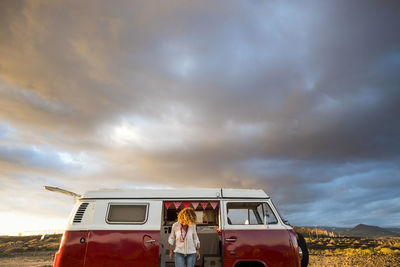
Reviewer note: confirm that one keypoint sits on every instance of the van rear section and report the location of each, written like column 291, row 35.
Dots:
column 236, row 228
column 74, row 240
column 111, row 232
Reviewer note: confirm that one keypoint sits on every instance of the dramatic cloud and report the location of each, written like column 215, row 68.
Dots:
column 300, row 99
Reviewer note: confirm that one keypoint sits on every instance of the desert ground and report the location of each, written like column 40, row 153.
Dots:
column 324, row 251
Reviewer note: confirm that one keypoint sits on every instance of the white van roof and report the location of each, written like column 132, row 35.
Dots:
column 176, row 193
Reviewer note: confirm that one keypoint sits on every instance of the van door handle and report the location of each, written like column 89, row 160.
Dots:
column 150, row 241
column 230, row 239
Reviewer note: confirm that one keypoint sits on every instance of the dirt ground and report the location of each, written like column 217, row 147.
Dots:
column 31, row 259
column 33, row 252
column 358, row 260
column 45, row 259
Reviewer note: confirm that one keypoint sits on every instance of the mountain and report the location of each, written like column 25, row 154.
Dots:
column 394, row 229
column 363, row 230
column 338, row 230
column 314, row 232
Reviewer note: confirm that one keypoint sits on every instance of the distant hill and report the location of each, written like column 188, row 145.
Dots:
column 363, row 230
column 338, row 230
column 314, row 232
column 394, row 229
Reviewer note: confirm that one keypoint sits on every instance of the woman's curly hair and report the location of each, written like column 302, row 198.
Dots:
column 187, row 216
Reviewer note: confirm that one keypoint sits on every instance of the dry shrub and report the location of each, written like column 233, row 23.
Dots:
column 367, row 251
column 388, row 251
column 14, row 250
column 31, row 241
column 339, row 251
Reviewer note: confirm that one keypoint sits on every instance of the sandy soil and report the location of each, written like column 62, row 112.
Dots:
column 31, row 259
column 45, row 259
column 358, row 260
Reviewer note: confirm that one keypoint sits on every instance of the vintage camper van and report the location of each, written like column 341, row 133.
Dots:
column 236, row 228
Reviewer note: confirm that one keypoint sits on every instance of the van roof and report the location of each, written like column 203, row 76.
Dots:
column 182, row 193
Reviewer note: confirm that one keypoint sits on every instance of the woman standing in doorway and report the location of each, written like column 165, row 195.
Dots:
column 184, row 235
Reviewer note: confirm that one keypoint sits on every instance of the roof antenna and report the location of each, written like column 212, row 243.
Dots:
column 63, row 191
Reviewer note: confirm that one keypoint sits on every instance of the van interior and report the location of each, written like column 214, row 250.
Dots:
column 207, row 222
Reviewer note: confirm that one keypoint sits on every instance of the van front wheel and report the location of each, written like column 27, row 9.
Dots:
column 304, row 249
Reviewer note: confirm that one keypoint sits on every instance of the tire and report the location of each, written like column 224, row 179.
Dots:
column 303, row 246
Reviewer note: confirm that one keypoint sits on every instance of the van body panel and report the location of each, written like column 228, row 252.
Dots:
column 270, row 246
column 205, row 193
column 93, row 236
column 124, row 244
column 155, row 193
column 72, row 249
column 153, row 217
column 267, row 243
column 122, row 248
column 243, row 193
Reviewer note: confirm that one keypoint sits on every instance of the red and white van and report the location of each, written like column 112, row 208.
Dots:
column 236, row 228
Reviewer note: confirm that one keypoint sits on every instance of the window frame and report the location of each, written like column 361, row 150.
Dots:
column 273, row 213
column 127, row 204
column 264, row 224
column 250, row 213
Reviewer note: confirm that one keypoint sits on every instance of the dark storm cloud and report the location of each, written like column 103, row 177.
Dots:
column 300, row 99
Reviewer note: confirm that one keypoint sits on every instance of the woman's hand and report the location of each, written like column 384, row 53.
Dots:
column 197, row 254
column 171, row 254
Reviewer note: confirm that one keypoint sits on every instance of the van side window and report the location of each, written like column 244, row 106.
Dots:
column 127, row 213
column 269, row 215
column 242, row 213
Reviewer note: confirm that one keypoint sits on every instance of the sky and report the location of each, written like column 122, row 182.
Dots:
column 298, row 98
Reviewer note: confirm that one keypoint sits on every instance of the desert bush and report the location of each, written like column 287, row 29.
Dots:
column 367, row 251
column 339, row 251
column 14, row 250
column 349, row 251
column 389, row 251
column 356, row 251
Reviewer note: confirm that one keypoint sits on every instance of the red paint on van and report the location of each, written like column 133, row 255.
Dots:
column 109, row 248
column 122, row 248
column 269, row 246
column 72, row 251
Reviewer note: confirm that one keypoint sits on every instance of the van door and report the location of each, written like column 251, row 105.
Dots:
column 124, row 233
column 252, row 233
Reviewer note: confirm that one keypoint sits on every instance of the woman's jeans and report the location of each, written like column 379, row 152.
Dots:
column 189, row 259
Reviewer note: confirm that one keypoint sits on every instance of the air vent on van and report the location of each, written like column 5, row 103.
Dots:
column 79, row 214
